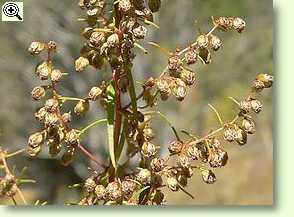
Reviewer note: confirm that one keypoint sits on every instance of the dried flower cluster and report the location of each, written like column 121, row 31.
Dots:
column 111, row 39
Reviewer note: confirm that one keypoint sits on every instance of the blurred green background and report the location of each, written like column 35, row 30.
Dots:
column 247, row 179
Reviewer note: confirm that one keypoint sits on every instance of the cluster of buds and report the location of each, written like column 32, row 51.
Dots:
column 8, row 186
column 227, row 23
column 179, row 75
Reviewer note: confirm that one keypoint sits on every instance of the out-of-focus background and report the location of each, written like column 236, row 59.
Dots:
column 247, row 179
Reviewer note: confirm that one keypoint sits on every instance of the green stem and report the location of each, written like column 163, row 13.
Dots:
column 95, row 123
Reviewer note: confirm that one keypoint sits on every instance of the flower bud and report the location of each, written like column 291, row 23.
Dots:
column 124, row 6
column 266, row 79
column 172, row 183
column 43, row 70
column 239, row 24
column 68, row 156
column 191, row 56
column 188, row 77
column 215, row 42
column 100, row 192
column 174, row 63
column 112, row 40
column 81, row 63
column 94, row 93
column 72, row 137
column 202, row 41
column 175, row 147
column 35, row 139
column 56, row 75
column 144, row 176
column 97, row 39
column 154, row 5
column 40, row 114
column 256, row 105
column 90, row 184
column 208, row 176
column 140, row 32
column 36, row 47
column 66, row 117
column 38, row 93
column 51, row 105
column 148, row 149
column 81, row 107
column 157, row 164
column 113, row 191
column 241, row 136
column 218, row 158
column 249, row 126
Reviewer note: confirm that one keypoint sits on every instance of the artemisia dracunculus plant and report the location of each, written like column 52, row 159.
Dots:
column 135, row 176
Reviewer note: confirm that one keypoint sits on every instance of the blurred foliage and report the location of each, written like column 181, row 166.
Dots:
column 248, row 177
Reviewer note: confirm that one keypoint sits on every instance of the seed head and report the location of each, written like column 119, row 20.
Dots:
column 54, row 149
column 40, row 114
column 172, row 183
column 224, row 23
column 112, row 40
column 52, row 46
column 245, row 106
column 72, row 137
column 68, row 156
column 230, row 134
column 218, row 158
column 174, row 63
column 188, row 77
column 33, row 151
column 157, row 164
column 124, row 6
column 184, row 161
column 81, row 63
column 148, row 149
column 38, row 93
column 266, row 79
column 66, row 117
column 191, row 56
column 51, row 119
column 128, row 187
column 35, row 139
column 241, row 136
column 113, row 191
column 90, row 184
column 97, row 39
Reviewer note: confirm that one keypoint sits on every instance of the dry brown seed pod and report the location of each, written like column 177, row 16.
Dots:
column 112, row 40
column 154, row 5
column 51, row 105
column 258, row 85
column 172, row 183
column 193, row 152
column 184, row 161
column 51, row 119
column 56, row 75
column 36, row 47
column 148, row 133
column 148, row 149
column 215, row 42
column 256, row 105
column 230, row 134
column 100, row 192
column 245, row 106
column 179, row 89
column 175, row 147
column 224, row 23
column 43, row 70
column 202, row 41
column 54, row 149
column 38, row 93
column 140, row 32
column 81, row 107
column 248, row 125
column 81, row 63
column 128, row 187
column 52, row 46
column 208, row 176
column 34, row 151
column 163, row 86
column 266, row 79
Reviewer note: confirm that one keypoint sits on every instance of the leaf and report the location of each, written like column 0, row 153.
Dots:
column 110, row 122
column 119, row 149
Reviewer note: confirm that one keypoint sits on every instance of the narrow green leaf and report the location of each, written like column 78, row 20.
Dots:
column 119, row 149
column 132, row 92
